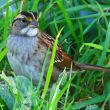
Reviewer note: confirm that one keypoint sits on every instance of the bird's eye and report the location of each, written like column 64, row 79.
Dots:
column 24, row 20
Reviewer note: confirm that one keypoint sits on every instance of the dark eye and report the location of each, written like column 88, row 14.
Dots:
column 24, row 20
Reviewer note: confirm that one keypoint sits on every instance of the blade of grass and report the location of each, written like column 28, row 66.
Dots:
column 43, row 71
column 9, row 3
column 3, row 53
column 102, row 13
column 36, row 2
column 61, row 20
column 49, row 73
column 6, row 23
column 96, row 46
column 70, row 25
column 53, row 105
column 3, row 44
column 106, row 46
column 44, row 15
column 67, row 92
column 81, row 7
column 64, row 89
column 89, row 102
column 89, row 26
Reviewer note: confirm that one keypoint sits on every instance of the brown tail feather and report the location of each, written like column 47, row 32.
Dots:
column 91, row 67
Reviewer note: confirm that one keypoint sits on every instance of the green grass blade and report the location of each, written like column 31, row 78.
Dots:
column 70, row 25
column 36, row 2
column 106, row 46
column 63, row 90
column 3, row 53
column 43, row 71
column 89, row 102
column 89, row 26
column 96, row 46
column 9, row 3
column 52, row 104
column 49, row 73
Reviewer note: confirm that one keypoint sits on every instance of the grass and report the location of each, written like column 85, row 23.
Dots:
column 50, row 69
column 85, row 37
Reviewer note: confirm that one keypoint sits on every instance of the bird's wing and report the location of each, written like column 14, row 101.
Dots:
column 62, row 60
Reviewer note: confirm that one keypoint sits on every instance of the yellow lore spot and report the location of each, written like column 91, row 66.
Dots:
column 29, row 19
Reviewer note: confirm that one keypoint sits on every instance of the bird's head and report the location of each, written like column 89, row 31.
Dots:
column 25, row 23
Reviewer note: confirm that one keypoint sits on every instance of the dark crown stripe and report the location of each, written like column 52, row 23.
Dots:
column 29, row 14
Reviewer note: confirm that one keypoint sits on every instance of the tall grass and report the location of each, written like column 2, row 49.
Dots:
column 85, row 37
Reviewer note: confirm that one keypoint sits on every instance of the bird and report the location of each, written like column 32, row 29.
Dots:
column 27, row 46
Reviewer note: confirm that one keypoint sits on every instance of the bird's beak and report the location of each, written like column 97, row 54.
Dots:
column 34, row 23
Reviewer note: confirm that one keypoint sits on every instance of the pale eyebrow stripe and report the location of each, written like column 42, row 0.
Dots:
column 20, row 16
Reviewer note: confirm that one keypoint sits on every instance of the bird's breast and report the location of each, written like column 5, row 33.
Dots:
column 22, row 47
column 26, row 55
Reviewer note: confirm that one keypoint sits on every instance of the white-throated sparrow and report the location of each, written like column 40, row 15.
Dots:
column 27, row 46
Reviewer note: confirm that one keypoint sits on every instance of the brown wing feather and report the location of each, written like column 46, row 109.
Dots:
column 66, row 61
column 62, row 60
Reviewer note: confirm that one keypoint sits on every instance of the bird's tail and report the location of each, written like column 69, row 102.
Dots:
column 90, row 67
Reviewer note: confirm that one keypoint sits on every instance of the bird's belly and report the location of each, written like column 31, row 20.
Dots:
column 30, row 69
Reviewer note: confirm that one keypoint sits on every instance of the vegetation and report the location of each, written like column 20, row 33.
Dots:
column 85, row 36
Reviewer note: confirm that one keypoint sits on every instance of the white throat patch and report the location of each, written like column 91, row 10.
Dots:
column 31, row 32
